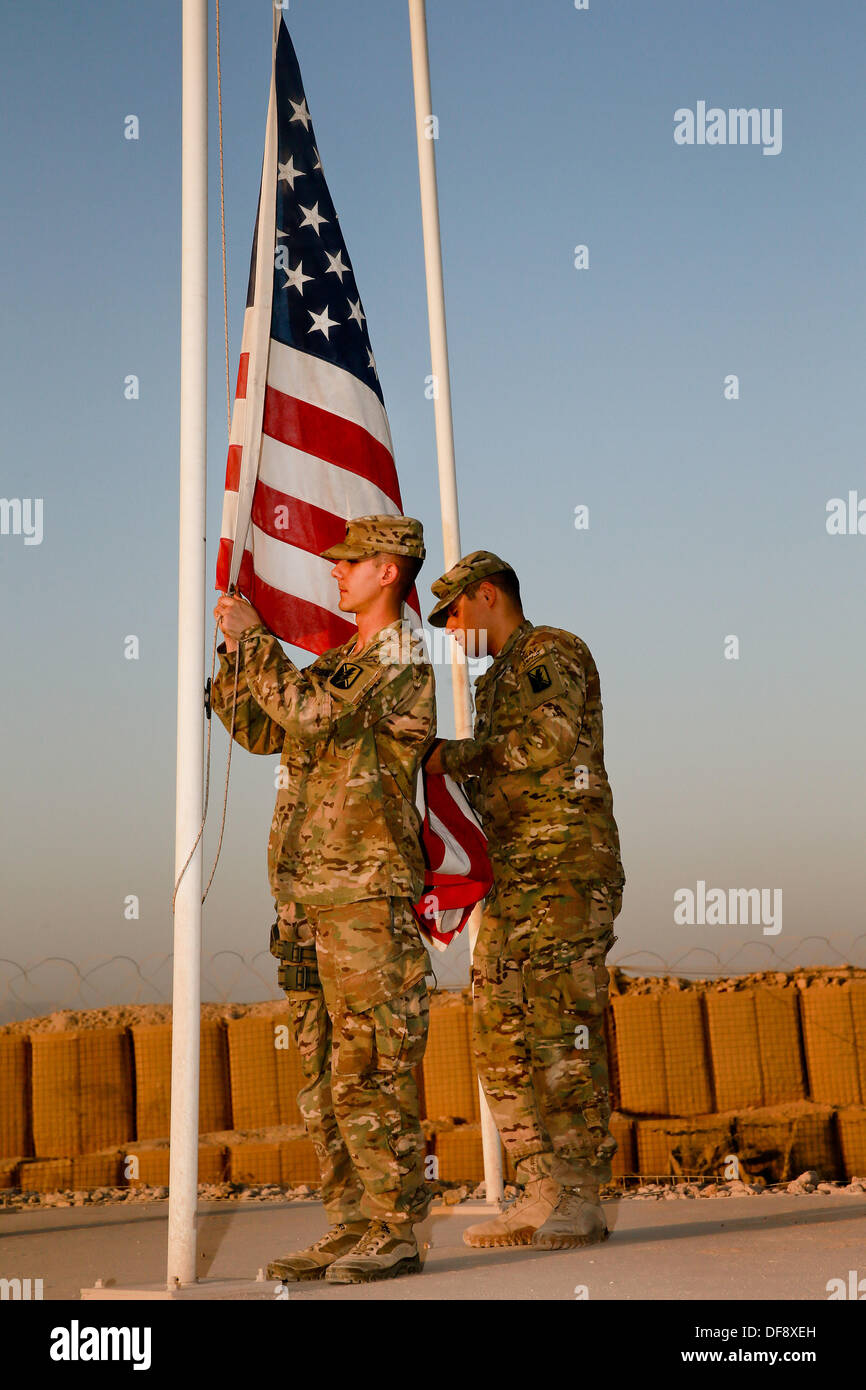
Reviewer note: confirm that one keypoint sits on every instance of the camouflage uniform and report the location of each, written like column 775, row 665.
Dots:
column 540, row 985
column 345, row 865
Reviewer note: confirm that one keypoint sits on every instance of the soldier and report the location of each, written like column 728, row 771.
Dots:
column 535, row 771
column 345, row 866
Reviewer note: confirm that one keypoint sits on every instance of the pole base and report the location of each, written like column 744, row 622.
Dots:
column 215, row 1290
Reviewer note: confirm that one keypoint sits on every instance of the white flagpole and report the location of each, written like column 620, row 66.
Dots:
column 186, row 987
column 424, row 120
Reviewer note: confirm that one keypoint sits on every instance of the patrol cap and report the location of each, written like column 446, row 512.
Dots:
column 479, row 565
column 379, row 535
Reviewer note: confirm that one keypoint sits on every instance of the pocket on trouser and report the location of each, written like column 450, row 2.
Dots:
column 310, row 1028
column 377, row 951
column 570, row 912
column 376, row 1098
column 567, row 990
column 491, row 934
column 388, row 1039
column 499, row 1018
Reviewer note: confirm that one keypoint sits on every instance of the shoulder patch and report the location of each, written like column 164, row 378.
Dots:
column 540, row 680
column 352, row 679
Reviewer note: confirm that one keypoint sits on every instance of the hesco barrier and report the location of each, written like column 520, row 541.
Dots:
column 152, row 1050
column 834, row 1026
column 82, row 1092
column 770, row 1071
column 265, row 1072
column 16, row 1121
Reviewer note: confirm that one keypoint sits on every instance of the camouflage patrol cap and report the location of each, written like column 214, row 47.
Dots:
column 481, row 564
column 379, row 535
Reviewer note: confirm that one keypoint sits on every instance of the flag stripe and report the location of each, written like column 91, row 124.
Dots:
column 243, row 368
column 283, row 612
column 329, row 387
column 318, row 383
column 330, row 437
column 309, row 528
column 313, row 486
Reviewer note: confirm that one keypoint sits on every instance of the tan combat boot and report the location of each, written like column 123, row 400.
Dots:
column 384, row 1252
column 313, row 1262
column 577, row 1219
column 517, row 1224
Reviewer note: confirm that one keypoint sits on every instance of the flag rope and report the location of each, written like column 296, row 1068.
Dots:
column 207, row 778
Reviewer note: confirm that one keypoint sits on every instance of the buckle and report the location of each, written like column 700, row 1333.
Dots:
column 294, row 976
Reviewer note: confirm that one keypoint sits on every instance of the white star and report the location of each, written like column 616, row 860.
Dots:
column 356, row 312
column 288, row 172
column 312, row 217
column 321, row 322
column 301, row 113
column 336, row 265
column 372, row 360
column 318, row 163
column 281, row 233
column 296, row 278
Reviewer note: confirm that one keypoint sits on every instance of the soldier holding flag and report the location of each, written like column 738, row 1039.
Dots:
column 535, row 771
column 346, row 866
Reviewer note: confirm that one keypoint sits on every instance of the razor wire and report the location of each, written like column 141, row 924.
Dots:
column 55, row 983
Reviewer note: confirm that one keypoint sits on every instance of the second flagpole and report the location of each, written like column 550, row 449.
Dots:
column 425, row 123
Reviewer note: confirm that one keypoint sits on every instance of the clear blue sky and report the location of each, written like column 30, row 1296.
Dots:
column 601, row 387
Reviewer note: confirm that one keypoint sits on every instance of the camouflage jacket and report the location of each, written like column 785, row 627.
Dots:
column 351, row 732
column 537, row 760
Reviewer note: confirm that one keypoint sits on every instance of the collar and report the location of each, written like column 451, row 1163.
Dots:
column 375, row 640
column 522, row 630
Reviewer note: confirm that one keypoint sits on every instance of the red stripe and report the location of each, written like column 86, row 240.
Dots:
column 233, row 467
column 243, row 368
column 303, row 525
column 332, row 438
column 288, row 617
column 463, row 830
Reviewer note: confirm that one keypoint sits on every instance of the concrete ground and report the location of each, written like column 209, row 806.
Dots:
column 774, row 1246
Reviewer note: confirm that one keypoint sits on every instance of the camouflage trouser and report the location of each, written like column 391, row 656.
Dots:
column 360, row 1028
column 540, row 987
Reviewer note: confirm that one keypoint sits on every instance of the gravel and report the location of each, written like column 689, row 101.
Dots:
column 451, row 1195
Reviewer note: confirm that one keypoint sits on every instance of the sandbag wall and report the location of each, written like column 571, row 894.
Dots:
column 772, row 1074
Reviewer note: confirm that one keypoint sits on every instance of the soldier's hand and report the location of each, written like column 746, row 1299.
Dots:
column 233, row 614
column 433, row 760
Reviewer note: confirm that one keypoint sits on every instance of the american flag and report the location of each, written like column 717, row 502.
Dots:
column 310, row 445
column 458, row 869
column 310, row 448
